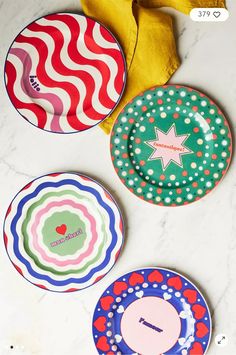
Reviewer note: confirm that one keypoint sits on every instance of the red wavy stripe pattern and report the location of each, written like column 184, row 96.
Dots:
column 89, row 108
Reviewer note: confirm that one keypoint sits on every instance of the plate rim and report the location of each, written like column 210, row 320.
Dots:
column 230, row 137
column 122, row 54
column 164, row 269
column 113, row 200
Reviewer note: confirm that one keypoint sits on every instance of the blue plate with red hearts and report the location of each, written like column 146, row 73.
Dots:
column 152, row 311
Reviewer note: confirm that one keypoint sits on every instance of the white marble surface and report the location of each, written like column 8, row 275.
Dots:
column 198, row 240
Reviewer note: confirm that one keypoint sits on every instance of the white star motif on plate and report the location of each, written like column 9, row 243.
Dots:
column 169, row 147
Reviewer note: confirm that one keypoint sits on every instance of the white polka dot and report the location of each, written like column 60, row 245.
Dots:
column 172, row 177
column 117, row 140
column 216, row 176
column 124, row 173
column 171, row 92
column 150, row 172
column 149, row 97
column 220, row 165
column 203, row 103
column 139, row 102
column 194, row 97
column 163, row 115
column 158, row 199
column 119, row 129
column 149, row 195
column 189, row 196
column 224, row 154
column 159, row 93
column 142, row 129
column 179, row 199
column 200, row 141
column 137, row 151
column 131, row 182
column 167, row 200
column 130, row 110
column 193, row 165
column 212, row 111
column 208, row 184
column 187, row 120
column 224, row 143
column 117, row 152
column 123, row 119
column 218, row 120
column 120, row 163
column 183, row 94
column 199, row 192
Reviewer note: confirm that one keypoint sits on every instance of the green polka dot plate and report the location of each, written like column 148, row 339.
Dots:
column 171, row 145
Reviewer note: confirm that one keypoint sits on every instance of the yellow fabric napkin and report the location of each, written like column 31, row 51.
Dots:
column 147, row 38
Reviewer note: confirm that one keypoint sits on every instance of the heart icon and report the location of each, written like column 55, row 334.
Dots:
column 175, row 282
column 119, row 287
column 196, row 349
column 191, row 295
column 183, row 315
column 99, row 324
column 217, row 14
column 166, row 296
column 181, row 341
column 102, row 344
column 61, row 229
column 135, row 279
column 118, row 338
column 139, row 294
column 199, row 311
column 120, row 309
column 155, row 276
column 106, row 302
column 202, row 330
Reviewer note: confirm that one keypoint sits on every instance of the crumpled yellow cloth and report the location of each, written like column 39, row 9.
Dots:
column 147, row 38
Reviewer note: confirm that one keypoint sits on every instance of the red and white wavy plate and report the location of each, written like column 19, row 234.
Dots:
column 65, row 73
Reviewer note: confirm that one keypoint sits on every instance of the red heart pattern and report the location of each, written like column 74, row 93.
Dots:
column 102, row 344
column 199, row 311
column 119, row 287
column 106, row 302
column 155, row 276
column 100, row 324
column 202, row 330
column 175, row 282
column 138, row 278
column 196, row 349
column 61, row 229
column 135, row 279
column 191, row 295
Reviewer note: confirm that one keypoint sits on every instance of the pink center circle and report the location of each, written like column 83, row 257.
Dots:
column 150, row 326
